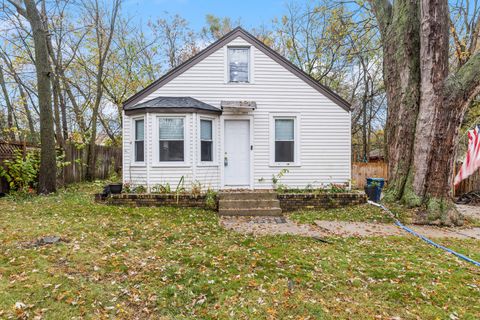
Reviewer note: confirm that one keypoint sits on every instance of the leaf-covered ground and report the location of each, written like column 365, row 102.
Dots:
column 179, row 264
column 363, row 213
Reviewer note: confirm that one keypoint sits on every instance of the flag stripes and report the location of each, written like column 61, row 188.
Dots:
column 472, row 160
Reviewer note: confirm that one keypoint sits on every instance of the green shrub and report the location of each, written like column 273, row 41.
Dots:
column 21, row 172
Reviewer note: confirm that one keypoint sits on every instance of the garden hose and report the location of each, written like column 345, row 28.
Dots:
column 400, row 225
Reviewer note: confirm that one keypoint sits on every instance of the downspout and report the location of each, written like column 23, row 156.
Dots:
column 147, row 149
column 194, row 145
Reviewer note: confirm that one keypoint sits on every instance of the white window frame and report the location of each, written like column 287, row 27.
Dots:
column 296, row 155
column 186, row 143
column 134, row 139
column 227, row 65
column 214, row 142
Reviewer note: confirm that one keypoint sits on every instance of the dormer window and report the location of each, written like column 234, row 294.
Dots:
column 239, row 65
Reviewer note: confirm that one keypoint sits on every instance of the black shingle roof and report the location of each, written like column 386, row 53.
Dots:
column 174, row 104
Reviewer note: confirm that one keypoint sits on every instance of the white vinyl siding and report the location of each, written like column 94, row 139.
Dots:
column 324, row 142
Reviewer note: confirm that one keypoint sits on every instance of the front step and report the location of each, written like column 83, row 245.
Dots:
column 248, row 203
column 247, row 195
column 272, row 212
column 259, row 203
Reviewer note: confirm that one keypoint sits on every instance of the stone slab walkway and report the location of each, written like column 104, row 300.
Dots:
column 469, row 210
column 283, row 225
column 270, row 226
column 366, row 229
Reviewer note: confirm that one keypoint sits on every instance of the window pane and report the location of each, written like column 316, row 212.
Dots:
column 206, row 151
column 206, row 130
column 139, row 151
column 238, row 64
column 139, row 129
column 284, row 130
column 171, row 150
column 284, row 151
column 171, row 128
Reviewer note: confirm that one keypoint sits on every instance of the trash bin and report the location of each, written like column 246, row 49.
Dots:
column 373, row 189
column 379, row 181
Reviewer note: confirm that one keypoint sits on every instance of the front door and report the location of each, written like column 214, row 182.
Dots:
column 237, row 153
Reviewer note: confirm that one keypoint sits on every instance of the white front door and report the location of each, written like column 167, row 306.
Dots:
column 237, row 153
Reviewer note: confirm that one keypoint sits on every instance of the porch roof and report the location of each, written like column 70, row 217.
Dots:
column 172, row 105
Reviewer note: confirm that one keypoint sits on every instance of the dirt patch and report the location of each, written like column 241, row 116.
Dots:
column 469, row 211
column 366, row 229
column 270, row 226
column 44, row 241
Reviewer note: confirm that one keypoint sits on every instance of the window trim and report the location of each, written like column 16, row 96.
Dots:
column 134, row 139
column 296, row 139
column 214, row 142
column 186, row 146
column 227, row 62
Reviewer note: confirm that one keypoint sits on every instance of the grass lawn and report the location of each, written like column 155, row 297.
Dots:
column 179, row 264
column 362, row 213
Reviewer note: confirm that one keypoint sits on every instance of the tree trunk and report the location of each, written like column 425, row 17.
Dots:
column 48, row 166
column 425, row 105
column 56, row 109
column 399, row 27
column 11, row 133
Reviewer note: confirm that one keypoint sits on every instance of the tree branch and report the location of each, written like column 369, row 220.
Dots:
column 465, row 83
column 383, row 13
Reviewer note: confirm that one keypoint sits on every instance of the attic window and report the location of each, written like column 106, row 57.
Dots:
column 238, row 65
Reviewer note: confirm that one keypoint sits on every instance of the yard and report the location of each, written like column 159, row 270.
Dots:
column 121, row 262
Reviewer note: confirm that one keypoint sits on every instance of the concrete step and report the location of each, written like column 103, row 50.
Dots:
column 247, row 195
column 250, row 212
column 249, row 204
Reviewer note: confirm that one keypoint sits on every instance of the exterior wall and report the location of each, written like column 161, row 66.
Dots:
column 159, row 200
column 307, row 201
column 324, row 127
column 288, row 201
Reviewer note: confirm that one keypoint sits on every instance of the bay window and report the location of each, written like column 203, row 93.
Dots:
column 171, row 138
column 285, row 140
column 206, row 140
column 139, row 144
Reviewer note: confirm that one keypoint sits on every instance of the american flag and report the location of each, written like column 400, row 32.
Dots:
column 472, row 160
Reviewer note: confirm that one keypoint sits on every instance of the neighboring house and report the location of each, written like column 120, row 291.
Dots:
column 233, row 116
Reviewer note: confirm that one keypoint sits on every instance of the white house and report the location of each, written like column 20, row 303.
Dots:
column 233, row 116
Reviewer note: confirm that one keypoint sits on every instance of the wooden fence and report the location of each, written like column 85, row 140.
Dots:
column 361, row 171
column 108, row 161
column 472, row 183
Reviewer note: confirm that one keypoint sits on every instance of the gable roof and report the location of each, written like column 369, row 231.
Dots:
column 237, row 32
column 173, row 104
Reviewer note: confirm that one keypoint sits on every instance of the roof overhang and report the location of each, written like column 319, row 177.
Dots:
column 238, row 106
column 172, row 105
column 170, row 110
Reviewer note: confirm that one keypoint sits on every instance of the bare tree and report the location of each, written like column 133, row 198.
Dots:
column 103, row 24
column 48, row 167
column 177, row 39
column 6, row 97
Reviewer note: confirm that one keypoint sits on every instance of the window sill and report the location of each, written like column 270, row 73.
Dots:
column 285, row 164
column 238, row 83
column 138, row 164
column 170, row 165
column 206, row 164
